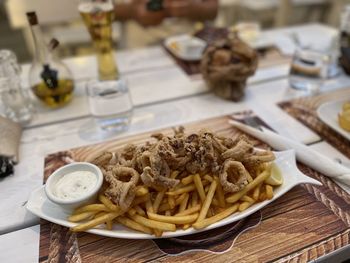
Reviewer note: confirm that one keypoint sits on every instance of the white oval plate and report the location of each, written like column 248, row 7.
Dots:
column 328, row 113
column 39, row 204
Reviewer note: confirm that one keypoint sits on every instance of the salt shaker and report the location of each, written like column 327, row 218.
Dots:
column 15, row 101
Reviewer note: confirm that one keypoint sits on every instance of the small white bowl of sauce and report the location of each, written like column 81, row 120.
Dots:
column 74, row 185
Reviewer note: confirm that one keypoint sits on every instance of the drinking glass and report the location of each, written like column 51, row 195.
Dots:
column 111, row 107
column 98, row 16
column 15, row 101
column 110, row 103
column 308, row 70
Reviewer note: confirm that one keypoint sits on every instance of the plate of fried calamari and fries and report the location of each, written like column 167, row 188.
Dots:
column 177, row 185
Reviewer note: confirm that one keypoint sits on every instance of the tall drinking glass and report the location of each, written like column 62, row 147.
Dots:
column 98, row 16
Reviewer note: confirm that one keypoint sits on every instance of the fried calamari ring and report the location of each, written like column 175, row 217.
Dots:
column 233, row 176
column 122, row 182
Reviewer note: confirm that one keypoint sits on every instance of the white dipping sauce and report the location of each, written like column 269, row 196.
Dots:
column 74, row 185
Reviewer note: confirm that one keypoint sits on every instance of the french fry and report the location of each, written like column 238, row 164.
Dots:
column 189, row 211
column 256, row 192
column 207, row 201
column 206, row 188
column 166, row 206
column 95, row 222
column 199, row 186
column 108, row 203
column 149, row 206
column 220, row 193
column 194, row 199
column 187, row 180
column 208, row 178
column 186, row 226
column 109, row 224
column 149, row 209
column 81, row 216
column 171, row 201
column 184, row 202
column 158, row 200
column 139, row 210
column 259, row 179
column 133, row 225
column 269, row 191
column 179, row 220
column 158, row 233
column 154, row 224
column 262, row 196
column 211, row 220
column 100, row 214
column 91, row 208
column 243, row 206
column 219, row 210
column 246, row 198
column 182, row 190
column 141, row 190
column 131, row 211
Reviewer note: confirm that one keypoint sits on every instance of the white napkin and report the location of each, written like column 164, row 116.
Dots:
column 304, row 154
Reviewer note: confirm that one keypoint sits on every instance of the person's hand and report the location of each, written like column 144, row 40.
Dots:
column 177, row 8
column 144, row 16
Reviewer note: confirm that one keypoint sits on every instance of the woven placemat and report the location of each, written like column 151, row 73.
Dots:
column 268, row 56
column 304, row 110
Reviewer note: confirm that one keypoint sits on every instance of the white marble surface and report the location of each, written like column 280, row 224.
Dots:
column 20, row 246
column 156, row 107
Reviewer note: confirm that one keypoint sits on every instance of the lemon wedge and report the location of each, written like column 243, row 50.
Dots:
column 344, row 117
column 344, row 121
column 276, row 177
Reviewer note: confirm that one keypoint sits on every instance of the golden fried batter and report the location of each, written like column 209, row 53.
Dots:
column 203, row 152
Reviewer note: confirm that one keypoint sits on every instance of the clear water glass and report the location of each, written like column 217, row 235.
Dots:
column 110, row 104
column 309, row 69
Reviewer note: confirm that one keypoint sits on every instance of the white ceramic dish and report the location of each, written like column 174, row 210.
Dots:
column 39, row 204
column 328, row 113
column 70, row 168
column 186, row 47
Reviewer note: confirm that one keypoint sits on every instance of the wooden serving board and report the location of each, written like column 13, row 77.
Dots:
column 304, row 224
